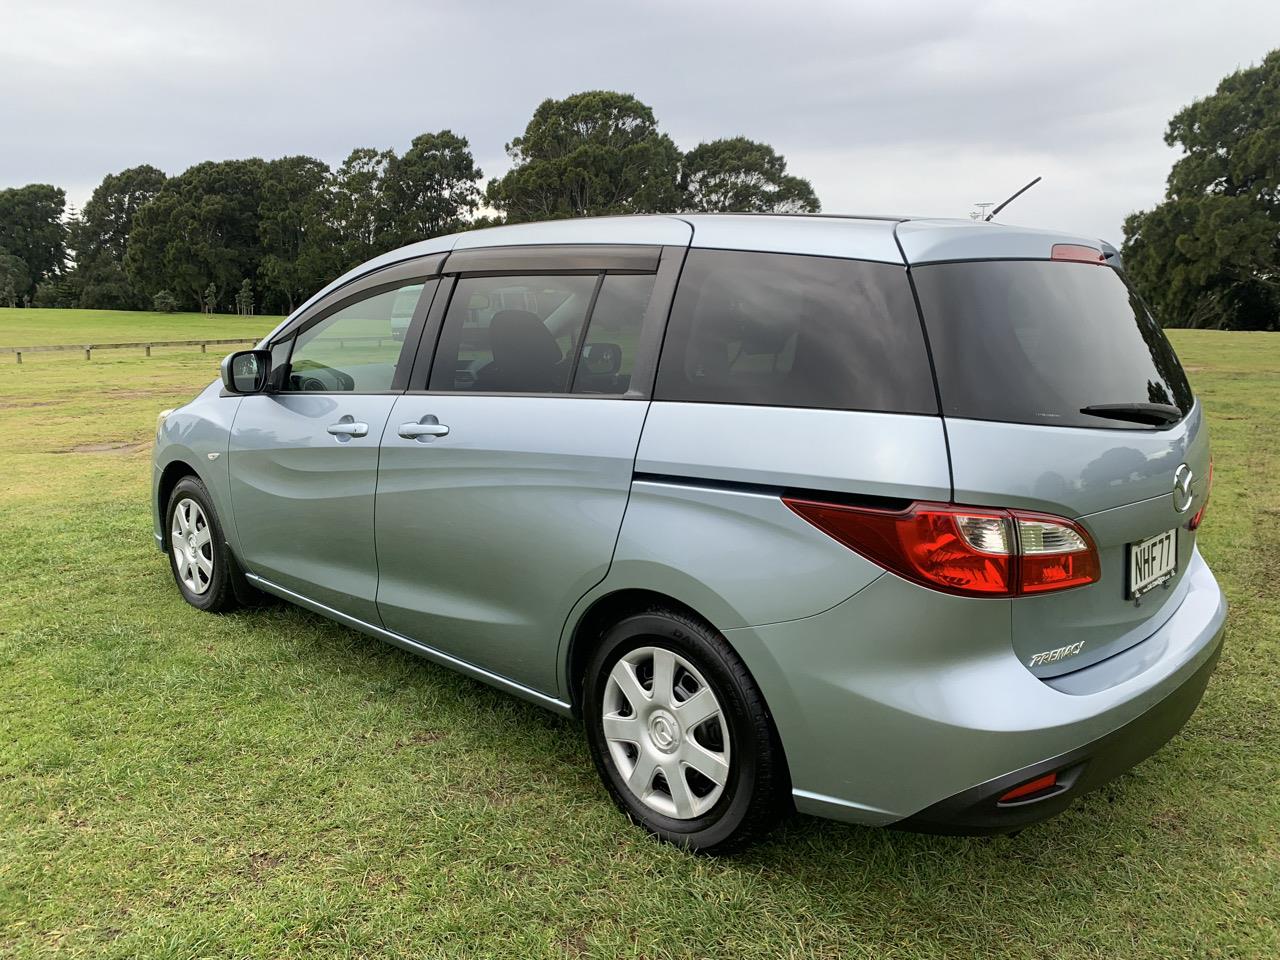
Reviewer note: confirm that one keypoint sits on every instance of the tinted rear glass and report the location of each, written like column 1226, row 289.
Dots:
column 1034, row 341
column 795, row 331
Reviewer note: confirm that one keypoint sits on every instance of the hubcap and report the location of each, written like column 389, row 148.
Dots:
column 666, row 732
column 191, row 542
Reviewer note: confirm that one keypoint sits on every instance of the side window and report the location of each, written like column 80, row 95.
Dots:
column 613, row 335
column 512, row 334
column 795, row 331
column 356, row 348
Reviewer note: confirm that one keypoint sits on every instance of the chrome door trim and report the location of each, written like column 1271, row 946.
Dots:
column 413, row 646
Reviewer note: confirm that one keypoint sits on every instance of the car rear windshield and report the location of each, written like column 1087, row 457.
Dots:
column 795, row 331
column 1037, row 341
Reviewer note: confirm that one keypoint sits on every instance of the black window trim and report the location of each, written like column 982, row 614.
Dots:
column 571, row 261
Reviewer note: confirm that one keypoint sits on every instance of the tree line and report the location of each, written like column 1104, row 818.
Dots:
column 270, row 232
column 1209, row 254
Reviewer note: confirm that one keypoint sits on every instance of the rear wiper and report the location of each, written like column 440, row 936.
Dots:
column 1156, row 414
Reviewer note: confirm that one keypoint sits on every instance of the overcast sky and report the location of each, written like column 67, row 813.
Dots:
column 918, row 108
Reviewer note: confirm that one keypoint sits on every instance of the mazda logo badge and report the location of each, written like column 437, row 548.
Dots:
column 1182, row 489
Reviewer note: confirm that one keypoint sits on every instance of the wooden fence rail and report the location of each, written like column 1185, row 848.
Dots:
column 144, row 345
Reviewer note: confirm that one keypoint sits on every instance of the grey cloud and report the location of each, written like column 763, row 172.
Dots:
column 918, row 107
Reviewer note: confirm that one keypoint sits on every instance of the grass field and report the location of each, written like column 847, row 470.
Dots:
column 28, row 328
column 174, row 784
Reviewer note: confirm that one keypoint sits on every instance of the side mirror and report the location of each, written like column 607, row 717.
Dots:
column 602, row 359
column 246, row 371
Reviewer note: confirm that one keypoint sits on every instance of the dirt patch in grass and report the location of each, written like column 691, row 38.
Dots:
column 119, row 447
column 261, row 863
column 420, row 739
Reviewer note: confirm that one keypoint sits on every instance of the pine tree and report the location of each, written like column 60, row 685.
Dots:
column 244, row 299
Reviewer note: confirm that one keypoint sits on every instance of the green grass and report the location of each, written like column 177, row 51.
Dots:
column 35, row 327
column 269, row 784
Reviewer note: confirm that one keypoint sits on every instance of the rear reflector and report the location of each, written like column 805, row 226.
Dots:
column 971, row 551
column 1038, row 785
column 1208, row 491
column 1076, row 253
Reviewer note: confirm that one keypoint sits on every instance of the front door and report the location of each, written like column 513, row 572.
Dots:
column 304, row 459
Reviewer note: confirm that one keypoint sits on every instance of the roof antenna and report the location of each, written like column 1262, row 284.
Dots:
column 1013, row 198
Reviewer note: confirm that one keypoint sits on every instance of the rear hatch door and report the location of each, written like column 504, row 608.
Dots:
column 1061, row 394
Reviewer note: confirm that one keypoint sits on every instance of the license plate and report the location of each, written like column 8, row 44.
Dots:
column 1152, row 562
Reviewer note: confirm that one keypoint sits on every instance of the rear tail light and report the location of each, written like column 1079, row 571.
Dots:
column 970, row 551
column 1208, row 492
column 1055, row 554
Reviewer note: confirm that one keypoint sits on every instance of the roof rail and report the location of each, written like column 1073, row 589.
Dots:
column 819, row 216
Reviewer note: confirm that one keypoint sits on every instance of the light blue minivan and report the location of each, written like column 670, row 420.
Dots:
column 881, row 519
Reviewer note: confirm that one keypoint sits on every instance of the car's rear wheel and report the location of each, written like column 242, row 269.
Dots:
column 202, row 566
column 681, row 734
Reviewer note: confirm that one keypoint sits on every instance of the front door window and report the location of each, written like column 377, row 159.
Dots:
column 354, row 350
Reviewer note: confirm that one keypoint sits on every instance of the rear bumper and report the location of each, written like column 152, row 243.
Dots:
column 903, row 704
column 978, row 810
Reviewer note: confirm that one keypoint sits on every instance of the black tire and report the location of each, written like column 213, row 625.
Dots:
column 226, row 584
column 757, row 791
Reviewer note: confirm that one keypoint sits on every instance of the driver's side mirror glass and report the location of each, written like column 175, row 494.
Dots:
column 246, row 371
column 602, row 359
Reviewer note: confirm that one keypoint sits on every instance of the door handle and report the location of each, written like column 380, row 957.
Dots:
column 348, row 427
column 424, row 430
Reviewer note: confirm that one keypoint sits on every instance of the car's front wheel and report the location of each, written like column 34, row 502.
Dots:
column 203, row 568
column 681, row 734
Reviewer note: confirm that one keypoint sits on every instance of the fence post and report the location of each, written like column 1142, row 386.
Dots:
column 19, row 353
column 148, row 349
column 87, row 350
column 202, row 348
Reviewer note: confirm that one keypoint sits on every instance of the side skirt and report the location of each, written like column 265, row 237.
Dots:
column 413, row 646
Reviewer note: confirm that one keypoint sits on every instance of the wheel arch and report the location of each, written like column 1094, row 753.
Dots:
column 602, row 613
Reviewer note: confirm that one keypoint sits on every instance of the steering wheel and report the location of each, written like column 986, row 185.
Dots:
column 323, row 380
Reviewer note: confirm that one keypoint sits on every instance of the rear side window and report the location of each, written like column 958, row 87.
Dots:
column 795, row 331
column 1036, row 341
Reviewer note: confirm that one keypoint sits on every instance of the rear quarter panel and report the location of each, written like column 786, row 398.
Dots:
column 706, row 524
column 847, row 451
